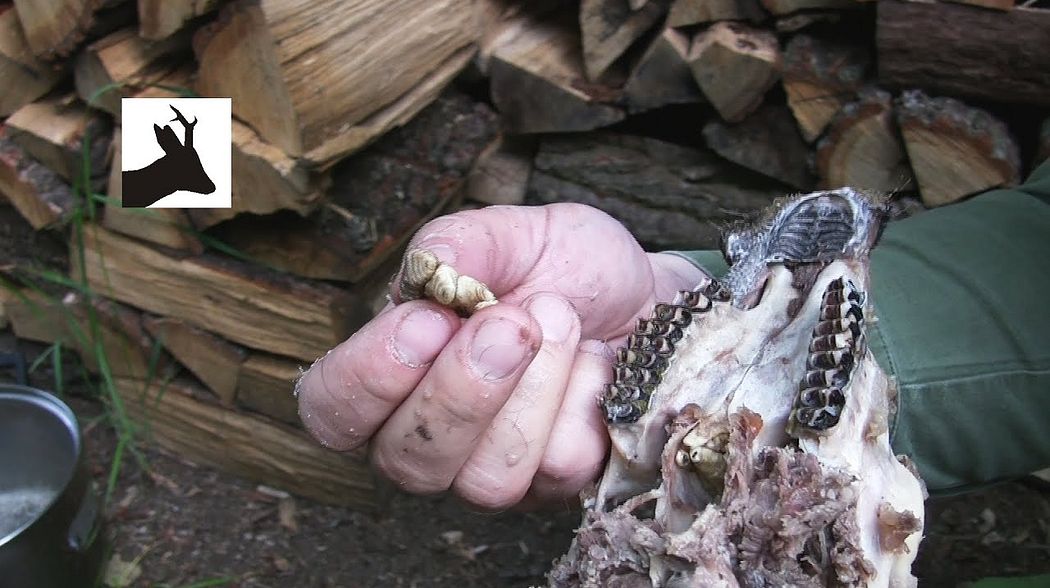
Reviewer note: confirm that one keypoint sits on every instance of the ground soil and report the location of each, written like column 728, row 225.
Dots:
column 186, row 525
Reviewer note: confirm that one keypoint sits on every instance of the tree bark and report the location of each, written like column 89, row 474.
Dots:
column 965, row 51
column 667, row 195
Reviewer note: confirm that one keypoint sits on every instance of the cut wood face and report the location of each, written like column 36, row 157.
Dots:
column 754, row 401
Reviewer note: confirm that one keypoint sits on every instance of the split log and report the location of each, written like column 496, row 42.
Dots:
column 70, row 320
column 305, row 73
column 38, row 193
column 54, row 27
column 159, row 19
column 793, row 23
column 128, row 349
column 34, row 316
column 248, row 446
column 501, row 173
column 945, row 48
column 955, row 150
column 378, row 198
column 53, row 131
column 123, row 64
column 862, row 148
column 213, row 360
column 25, row 77
column 169, row 227
column 685, row 13
column 538, row 83
column 267, row 385
column 767, row 142
column 501, row 20
column 242, row 304
column 819, row 77
column 993, row 4
column 734, row 66
column 783, row 7
column 662, row 75
column 669, row 196
column 609, row 27
column 266, row 180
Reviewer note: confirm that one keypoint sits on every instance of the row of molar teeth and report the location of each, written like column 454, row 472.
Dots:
column 834, row 350
column 642, row 362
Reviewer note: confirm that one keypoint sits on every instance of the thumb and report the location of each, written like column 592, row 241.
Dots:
column 576, row 251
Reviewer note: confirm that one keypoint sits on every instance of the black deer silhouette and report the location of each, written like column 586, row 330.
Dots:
column 179, row 169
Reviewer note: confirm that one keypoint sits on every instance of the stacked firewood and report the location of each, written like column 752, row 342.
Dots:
column 355, row 122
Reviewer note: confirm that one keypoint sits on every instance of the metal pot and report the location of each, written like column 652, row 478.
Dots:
column 50, row 529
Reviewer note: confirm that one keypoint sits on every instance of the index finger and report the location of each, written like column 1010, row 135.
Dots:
column 348, row 394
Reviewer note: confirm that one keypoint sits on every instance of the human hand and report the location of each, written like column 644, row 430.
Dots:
column 501, row 408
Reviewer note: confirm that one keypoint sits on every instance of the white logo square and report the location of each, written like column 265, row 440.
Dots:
column 175, row 152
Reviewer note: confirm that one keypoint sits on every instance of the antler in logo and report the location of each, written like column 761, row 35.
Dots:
column 179, row 169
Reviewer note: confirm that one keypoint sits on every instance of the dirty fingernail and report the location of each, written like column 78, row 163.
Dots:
column 555, row 316
column 498, row 348
column 420, row 336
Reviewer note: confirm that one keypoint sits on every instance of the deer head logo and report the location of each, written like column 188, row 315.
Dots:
column 178, row 169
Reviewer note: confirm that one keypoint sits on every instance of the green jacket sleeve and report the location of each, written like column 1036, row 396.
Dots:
column 963, row 324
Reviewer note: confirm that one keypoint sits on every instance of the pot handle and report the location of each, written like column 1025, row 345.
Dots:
column 86, row 524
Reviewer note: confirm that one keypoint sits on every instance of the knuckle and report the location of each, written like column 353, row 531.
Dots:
column 319, row 411
column 485, row 492
column 403, row 470
column 344, row 377
column 569, row 467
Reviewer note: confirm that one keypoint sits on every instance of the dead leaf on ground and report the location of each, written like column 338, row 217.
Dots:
column 286, row 513
column 120, row 573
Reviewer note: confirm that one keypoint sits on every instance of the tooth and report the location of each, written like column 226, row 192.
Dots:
column 696, row 301
column 644, row 327
column 836, row 398
column 671, row 313
column 826, row 360
column 823, row 419
column 812, row 398
column 639, row 342
column 833, row 326
column 682, row 317
column 854, row 293
column 681, row 458
column 831, row 342
column 834, row 297
column 663, row 346
column 715, row 291
column 835, row 311
column 635, row 376
column 855, row 311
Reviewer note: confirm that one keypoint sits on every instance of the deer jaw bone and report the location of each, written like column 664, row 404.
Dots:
column 717, row 407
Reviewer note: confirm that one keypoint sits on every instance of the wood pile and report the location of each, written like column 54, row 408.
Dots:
column 354, row 123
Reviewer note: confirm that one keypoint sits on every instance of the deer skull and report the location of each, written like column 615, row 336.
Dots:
column 749, row 424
